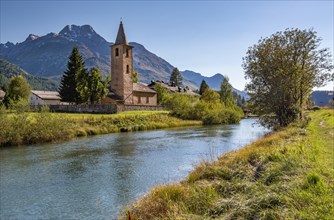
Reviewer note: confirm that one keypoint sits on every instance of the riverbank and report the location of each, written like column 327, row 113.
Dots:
column 286, row 175
column 31, row 128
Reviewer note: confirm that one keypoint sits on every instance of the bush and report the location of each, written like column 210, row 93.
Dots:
column 208, row 109
column 315, row 108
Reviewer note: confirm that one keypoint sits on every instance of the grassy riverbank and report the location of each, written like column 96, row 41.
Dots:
column 286, row 175
column 24, row 128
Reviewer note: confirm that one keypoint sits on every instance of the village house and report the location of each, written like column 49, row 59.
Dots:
column 44, row 98
column 173, row 89
column 123, row 91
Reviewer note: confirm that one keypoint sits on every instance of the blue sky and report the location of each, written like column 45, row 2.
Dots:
column 208, row 37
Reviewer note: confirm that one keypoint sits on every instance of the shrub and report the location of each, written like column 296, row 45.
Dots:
column 208, row 109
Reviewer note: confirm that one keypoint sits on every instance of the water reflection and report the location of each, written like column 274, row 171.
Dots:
column 95, row 177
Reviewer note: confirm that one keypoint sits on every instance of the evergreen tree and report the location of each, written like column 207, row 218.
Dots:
column 203, row 87
column 75, row 71
column 226, row 95
column 176, row 77
column 18, row 89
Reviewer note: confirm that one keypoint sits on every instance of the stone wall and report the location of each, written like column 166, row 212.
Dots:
column 106, row 109
column 122, row 108
column 84, row 108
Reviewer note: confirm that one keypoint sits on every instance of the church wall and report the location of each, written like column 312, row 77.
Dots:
column 144, row 98
column 127, row 68
column 121, row 71
column 117, row 81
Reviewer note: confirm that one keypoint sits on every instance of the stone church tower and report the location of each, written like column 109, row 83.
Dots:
column 121, row 67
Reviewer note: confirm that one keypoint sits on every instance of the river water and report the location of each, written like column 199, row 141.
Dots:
column 95, row 177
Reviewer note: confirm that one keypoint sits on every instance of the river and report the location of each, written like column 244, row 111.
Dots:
column 95, row 177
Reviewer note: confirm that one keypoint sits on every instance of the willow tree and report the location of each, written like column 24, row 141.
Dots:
column 282, row 70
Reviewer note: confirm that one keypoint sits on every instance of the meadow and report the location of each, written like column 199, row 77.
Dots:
column 24, row 128
column 288, row 174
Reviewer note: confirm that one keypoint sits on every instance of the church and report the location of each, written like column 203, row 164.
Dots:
column 123, row 91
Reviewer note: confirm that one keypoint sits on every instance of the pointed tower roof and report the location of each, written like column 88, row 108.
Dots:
column 121, row 38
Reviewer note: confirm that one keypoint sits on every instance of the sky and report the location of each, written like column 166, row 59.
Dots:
column 208, row 37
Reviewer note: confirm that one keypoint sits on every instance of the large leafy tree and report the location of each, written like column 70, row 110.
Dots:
column 17, row 89
column 74, row 78
column 203, row 87
column 97, row 88
column 176, row 77
column 282, row 70
column 226, row 95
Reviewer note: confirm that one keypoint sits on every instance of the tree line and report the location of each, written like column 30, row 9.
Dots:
column 78, row 85
column 211, row 107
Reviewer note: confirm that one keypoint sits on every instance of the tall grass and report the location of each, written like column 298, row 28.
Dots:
column 286, row 175
column 21, row 128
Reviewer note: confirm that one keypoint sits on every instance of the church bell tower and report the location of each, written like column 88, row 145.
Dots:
column 121, row 67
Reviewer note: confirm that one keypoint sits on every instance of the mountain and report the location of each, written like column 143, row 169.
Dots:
column 322, row 98
column 47, row 56
column 213, row 81
column 8, row 70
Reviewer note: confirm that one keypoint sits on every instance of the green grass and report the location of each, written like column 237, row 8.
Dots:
column 288, row 174
column 29, row 128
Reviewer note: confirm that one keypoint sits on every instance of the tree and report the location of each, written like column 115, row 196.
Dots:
column 74, row 79
column 161, row 91
column 210, row 95
column 17, row 89
column 238, row 99
column 282, row 70
column 176, row 77
column 97, row 88
column 226, row 95
column 203, row 87
column 135, row 77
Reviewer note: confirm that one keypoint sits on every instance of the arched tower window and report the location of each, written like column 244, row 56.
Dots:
column 127, row 69
column 127, row 52
column 116, row 52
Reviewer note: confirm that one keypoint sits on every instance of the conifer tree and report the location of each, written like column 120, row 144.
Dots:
column 176, row 77
column 203, row 87
column 226, row 95
column 68, row 86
